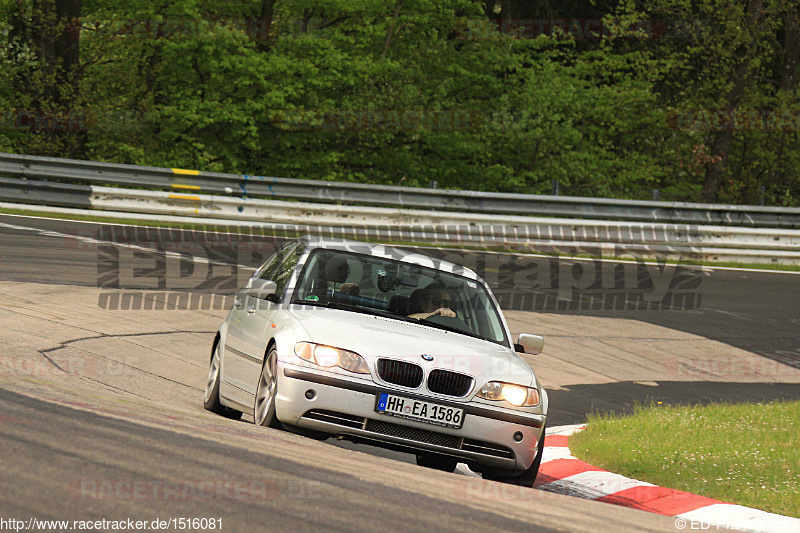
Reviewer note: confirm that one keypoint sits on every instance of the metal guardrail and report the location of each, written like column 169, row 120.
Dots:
column 36, row 168
column 549, row 235
column 45, row 193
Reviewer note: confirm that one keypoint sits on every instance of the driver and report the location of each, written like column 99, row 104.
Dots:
column 434, row 301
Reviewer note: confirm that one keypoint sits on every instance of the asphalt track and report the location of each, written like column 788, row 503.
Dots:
column 755, row 311
column 113, row 469
column 62, row 438
column 100, row 418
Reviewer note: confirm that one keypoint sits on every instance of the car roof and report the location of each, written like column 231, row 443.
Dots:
column 387, row 252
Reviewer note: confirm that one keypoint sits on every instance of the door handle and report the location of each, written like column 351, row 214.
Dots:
column 237, row 303
column 251, row 309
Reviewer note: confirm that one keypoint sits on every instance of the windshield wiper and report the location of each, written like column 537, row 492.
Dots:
column 356, row 308
column 454, row 329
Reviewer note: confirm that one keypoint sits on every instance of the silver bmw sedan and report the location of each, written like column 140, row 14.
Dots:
column 382, row 346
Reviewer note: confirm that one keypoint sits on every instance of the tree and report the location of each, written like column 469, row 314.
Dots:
column 743, row 58
column 725, row 65
column 42, row 54
column 460, row 92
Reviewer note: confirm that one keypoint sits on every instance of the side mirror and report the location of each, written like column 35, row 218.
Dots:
column 532, row 344
column 261, row 288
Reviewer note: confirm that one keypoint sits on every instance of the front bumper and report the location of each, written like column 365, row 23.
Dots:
column 346, row 407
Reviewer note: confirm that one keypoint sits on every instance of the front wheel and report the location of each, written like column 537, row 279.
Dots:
column 264, row 408
column 211, row 397
column 526, row 478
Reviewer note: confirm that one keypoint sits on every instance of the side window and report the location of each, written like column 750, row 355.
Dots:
column 283, row 272
column 268, row 269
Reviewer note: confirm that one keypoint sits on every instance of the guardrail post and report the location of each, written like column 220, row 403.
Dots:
column 555, row 186
column 656, row 194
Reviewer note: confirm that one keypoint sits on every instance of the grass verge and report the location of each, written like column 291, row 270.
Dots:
column 747, row 454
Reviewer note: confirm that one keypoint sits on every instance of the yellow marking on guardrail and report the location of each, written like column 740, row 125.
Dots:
column 186, row 172
column 182, row 186
column 185, row 197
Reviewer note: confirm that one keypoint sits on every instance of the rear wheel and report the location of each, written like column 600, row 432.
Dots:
column 211, row 397
column 526, row 478
column 437, row 462
column 264, row 408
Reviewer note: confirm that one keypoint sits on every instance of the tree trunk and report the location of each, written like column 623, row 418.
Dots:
column 505, row 12
column 787, row 88
column 67, row 47
column 720, row 148
column 721, row 144
column 791, row 51
column 43, row 29
column 73, row 134
column 265, row 18
column 18, row 36
column 48, row 90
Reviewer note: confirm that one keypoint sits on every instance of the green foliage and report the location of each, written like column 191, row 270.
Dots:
column 720, row 58
column 408, row 92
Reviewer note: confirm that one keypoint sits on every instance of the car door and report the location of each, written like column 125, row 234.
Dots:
column 258, row 316
column 238, row 345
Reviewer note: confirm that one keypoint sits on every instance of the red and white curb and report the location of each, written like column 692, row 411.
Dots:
column 562, row 473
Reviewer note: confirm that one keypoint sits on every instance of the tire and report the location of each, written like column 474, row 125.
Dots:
column 264, row 406
column 211, row 396
column 526, row 478
column 437, row 462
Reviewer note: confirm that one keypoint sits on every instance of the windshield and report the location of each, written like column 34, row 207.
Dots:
column 375, row 285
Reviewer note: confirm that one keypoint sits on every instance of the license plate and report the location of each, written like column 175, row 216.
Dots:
column 421, row 411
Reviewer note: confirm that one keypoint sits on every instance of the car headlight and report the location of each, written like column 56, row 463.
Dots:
column 328, row 357
column 513, row 394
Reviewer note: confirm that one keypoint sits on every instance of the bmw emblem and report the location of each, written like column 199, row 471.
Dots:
column 427, row 357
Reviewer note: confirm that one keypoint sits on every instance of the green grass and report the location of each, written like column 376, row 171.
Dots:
column 748, row 454
column 216, row 225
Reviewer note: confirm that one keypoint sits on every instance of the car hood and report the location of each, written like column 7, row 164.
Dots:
column 374, row 336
